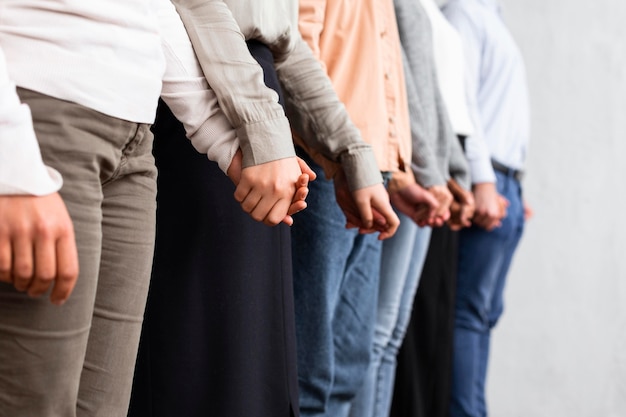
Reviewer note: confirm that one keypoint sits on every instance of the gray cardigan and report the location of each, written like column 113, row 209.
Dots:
column 437, row 154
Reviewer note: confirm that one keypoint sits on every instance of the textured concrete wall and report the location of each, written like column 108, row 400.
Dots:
column 560, row 349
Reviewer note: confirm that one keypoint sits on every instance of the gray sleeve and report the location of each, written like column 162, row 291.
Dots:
column 426, row 164
column 248, row 104
column 321, row 120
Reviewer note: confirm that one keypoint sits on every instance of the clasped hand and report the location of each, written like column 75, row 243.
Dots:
column 37, row 246
column 274, row 191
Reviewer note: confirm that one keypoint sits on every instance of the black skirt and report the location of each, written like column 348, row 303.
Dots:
column 424, row 371
column 218, row 337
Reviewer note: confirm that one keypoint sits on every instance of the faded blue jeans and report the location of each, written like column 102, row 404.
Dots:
column 484, row 260
column 336, row 273
column 401, row 266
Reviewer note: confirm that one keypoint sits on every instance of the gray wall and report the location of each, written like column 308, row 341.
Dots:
column 560, row 348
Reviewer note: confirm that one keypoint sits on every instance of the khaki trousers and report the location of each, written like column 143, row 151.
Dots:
column 78, row 359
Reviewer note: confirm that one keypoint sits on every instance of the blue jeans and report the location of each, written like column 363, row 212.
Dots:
column 336, row 273
column 401, row 266
column 484, row 260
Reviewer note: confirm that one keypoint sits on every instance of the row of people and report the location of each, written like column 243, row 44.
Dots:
column 232, row 292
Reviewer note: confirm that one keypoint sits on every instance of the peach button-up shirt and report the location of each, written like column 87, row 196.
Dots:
column 359, row 47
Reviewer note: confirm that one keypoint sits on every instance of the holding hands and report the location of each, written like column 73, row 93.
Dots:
column 417, row 203
column 367, row 208
column 462, row 208
column 271, row 192
column 490, row 206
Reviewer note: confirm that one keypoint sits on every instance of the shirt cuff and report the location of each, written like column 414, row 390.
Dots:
column 265, row 141
column 361, row 168
column 482, row 172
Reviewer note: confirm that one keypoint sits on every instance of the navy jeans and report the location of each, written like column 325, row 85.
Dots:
column 484, row 260
column 336, row 274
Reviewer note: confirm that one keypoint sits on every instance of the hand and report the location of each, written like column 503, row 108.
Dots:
column 490, row 206
column 271, row 192
column 462, row 208
column 367, row 208
column 417, row 203
column 37, row 246
column 445, row 198
column 528, row 211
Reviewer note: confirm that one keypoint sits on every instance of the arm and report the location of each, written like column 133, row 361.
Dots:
column 490, row 206
column 429, row 134
column 478, row 155
column 37, row 246
column 425, row 164
column 367, row 208
column 249, row 105
column 265, row 191
column 321, row 120
column 428, row 157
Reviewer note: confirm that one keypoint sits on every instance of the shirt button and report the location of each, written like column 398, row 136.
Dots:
column 387, row 76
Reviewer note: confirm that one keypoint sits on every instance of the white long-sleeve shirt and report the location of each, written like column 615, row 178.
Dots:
column 108, row 55
column 448, row 54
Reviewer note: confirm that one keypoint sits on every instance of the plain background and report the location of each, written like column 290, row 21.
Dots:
column 560, row 348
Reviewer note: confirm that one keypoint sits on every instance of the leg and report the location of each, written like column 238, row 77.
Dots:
column 321, row 246
column 220, row 319
column 128, row 223
column 48, row 343
column 484, row 259
column 389, row 359
column 353, row 323
column 402, row 259
column 42, row 346
column 422, row 358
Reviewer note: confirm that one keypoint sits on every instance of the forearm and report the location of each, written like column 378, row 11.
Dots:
column 188, row 95
column 250, row 106
column 424, row 161
column 321, row 120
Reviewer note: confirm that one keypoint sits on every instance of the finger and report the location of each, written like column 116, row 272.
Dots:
column 352, row 220
column 296, row 207
column 276, row 213
column 23, row 264
column 67, row 269
column 45, row 266
column 250, row 203
column 303, row 181
column 392, row 224
column 242, row 191
column 306, row 169
column 5, row 259
column 365, row 212
column 300, row 195
column 380, row 222
column 288, row 220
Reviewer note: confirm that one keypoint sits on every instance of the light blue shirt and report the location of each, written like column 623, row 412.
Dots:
column 496, row 87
